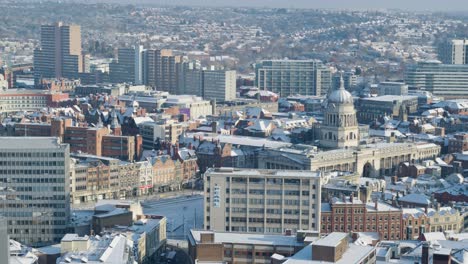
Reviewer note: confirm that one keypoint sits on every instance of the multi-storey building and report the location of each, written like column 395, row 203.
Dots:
column 393, row 88
column 190, row 78
column 443, row 219
column 453, row 51
column 229, row 247
column 13, row 100
column 417, row 221
column 60, row 53
column 166, row 172
column 91, row 140
column 4, row 241
column 169, row 73
column 129, row 179
column 292, row 77
column 152, row 132
column 262, row 201
column 348, row 214
column 120, row 147
column 446, row 80
column 35, row 188
column 123, row 70
column 349, row 78
column 459, row 143
column 85, row 139
column 219, row 85
column 394, row 106
column 334, row 248
column 145, row 177
column 95, row 178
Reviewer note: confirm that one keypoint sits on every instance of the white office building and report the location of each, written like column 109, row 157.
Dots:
column 262, row 201
column 35, row 188
column 219, row 85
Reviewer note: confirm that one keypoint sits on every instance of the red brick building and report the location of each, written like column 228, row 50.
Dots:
column 349, row 214
column 458, row 143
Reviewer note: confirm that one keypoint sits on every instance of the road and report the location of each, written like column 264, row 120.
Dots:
column 183, row 213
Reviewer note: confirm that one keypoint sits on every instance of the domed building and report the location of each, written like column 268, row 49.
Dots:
column 340, row 128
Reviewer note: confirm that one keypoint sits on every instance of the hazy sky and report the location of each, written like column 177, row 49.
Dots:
column 443, row 5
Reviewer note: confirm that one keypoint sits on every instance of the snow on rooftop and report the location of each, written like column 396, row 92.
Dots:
column 245, row 238
column 332, row 240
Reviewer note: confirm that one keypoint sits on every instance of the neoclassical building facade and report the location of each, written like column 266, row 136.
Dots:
column 340, row 148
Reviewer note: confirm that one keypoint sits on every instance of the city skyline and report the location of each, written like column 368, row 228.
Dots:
column 419, row 5
column 183, row 134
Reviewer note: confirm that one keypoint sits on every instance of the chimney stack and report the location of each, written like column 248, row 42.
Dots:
column 351, row 198
column 425, row 253
column 376, row 204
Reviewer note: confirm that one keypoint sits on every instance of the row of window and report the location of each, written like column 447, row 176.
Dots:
column 33, row 205
column 43, row 189
column 32, row 180
column 31, row 172
column 31, row 163
column 31, row 154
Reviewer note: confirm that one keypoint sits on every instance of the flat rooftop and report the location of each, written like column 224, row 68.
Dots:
column 354, row 254
column 332, row 240
column 245, row 238
column 263, row 172
column 16, row 143
column 391, row 98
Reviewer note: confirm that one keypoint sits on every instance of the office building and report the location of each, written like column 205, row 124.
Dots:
column 445, row 80
column 190, row 78
column 453, row 51
column 159, row 131
column 219, row 85
column 229, row 247
column 393, row 88
column 169, row 74
column 139, row 52
column 262, row 201
column 4, row 241
column 160, row 69
column 34, row 184
column 127, row 68
column 60, row 53
column 349, row 79
column 293, row 77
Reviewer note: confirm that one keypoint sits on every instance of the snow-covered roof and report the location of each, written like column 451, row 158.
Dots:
column 415, row 198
